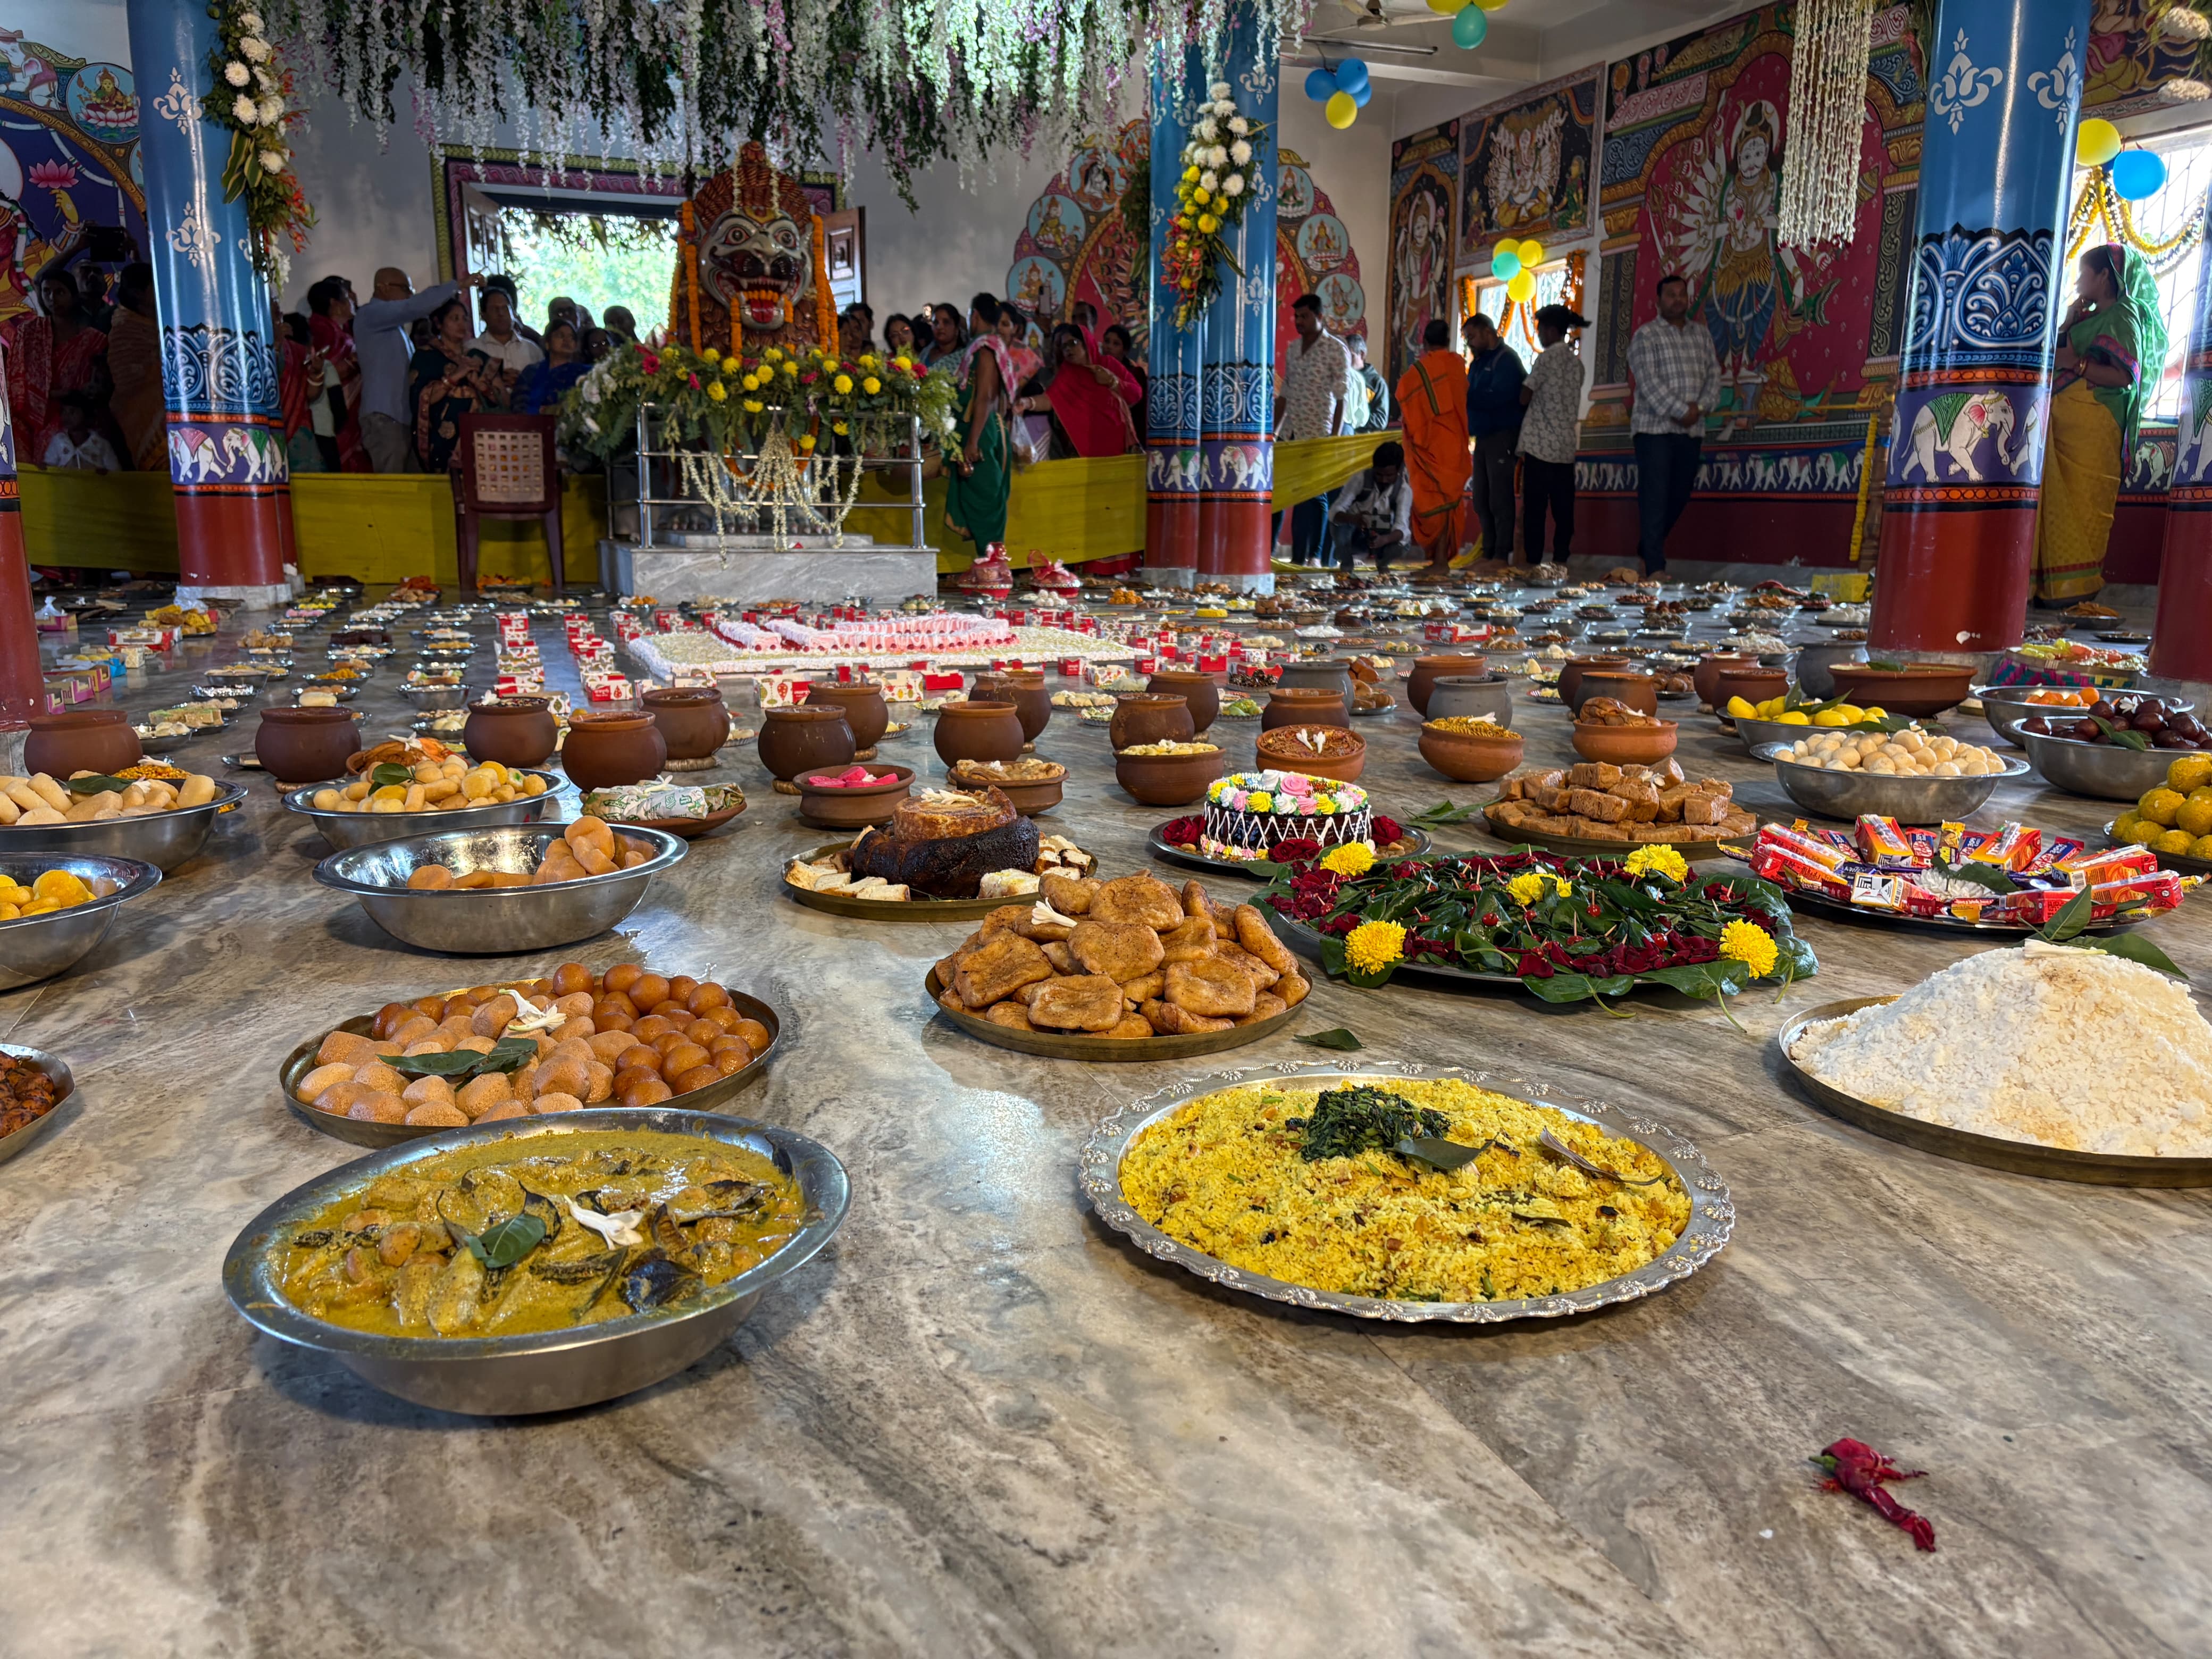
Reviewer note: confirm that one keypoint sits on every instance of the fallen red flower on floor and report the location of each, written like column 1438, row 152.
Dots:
column 1858, row 1469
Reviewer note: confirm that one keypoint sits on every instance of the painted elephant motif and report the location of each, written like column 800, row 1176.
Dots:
column 1955, row 423
column 257, row 447
column 1176, row 469
column 193, row 456
column 1241, row 466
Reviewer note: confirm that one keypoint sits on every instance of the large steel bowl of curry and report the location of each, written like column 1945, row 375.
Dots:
column 547, row 1370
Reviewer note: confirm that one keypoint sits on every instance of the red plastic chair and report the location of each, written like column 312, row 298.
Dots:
column 507, row 471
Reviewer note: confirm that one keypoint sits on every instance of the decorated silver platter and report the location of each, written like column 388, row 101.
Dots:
column 1712, row 1211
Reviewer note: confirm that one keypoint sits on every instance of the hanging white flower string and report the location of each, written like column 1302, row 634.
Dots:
column 1827, row 110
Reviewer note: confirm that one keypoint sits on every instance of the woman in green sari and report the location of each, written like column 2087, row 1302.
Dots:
column 978, row 481
column 2112, row 350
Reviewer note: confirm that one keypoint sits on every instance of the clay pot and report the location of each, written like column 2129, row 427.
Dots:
column 306, row 745
column 1706, row 676
column 1477, row 695
column 1317, row 674
column 1202, row 691
column 1637, row 689
column 1425, row 670
column 1303, row 706
column 863, row 703
column 801, row 739
column 513, row 730
column 1170, row 779
column 1151, row 717
column 691, row 720
column 1572, row 672
column 1626, row 745
column 857, row 808
column 1025, row 689
column 1344, row 768
column 604, row 750
column 979, row 731
column 1470, row 757
column 92, row 740
column 1751, row 685
column 1917, row 690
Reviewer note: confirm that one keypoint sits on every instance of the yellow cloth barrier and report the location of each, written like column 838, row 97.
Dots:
column 384, row 528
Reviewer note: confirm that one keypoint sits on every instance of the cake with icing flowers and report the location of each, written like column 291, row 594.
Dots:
column 1249, row 813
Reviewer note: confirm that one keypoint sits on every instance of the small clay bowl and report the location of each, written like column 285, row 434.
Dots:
column 1470, row 757
column 1917, row 690
column 1170, row 779
column 1029, row 798
column 1706, row 676
column 855, row 807
column 1625, row 745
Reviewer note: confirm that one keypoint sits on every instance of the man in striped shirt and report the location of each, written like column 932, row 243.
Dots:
column 1678, row 379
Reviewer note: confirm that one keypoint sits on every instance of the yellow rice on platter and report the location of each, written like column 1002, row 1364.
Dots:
column 1223, row 1175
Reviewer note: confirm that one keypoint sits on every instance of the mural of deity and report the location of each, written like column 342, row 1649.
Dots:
column 34, row 73
column 1524, row 166
column 1420, row 266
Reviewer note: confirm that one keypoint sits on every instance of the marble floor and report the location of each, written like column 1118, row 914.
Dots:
column 981, row 1424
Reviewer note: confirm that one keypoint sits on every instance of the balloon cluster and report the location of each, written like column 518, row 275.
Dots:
column 1515, row 263
column 1342, row 92
column 1470, row 22
column 2136, row 173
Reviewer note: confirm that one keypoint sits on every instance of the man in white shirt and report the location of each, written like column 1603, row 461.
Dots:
column 1551, row 422
column 501, row 341
column 1678, row 379
column 381, row 342
column 1316, row 398
column 1374, row 511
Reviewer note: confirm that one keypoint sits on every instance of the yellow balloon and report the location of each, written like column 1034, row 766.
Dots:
column 1522, row 287
column 1531, row 254
column 1490, row 5
column 2096, row 143
column 1447, row 7
column 1340, row 109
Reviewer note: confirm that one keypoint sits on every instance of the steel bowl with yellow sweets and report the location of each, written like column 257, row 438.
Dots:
column 2174, row 819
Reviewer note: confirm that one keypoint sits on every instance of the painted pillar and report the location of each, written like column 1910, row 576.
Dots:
column 1965, row 453
column 2181, row 638
column 219, row 354
column 1209, row 446
column 22, row 687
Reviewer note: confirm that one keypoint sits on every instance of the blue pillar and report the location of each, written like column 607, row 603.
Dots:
column 1210, row 438
column 219, row 353
column 1965, row 452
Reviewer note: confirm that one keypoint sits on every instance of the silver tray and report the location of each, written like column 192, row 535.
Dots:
column 1168, row 853
column 548, row 1371
column 1712, row 1211
column 1964, row 1146
column 55, row 1067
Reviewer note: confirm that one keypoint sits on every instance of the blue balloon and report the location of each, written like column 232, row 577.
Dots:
column 1351, row 76
column 1470, row 27
column 2138, row 173
column 1321, row 86
column 1361, row 96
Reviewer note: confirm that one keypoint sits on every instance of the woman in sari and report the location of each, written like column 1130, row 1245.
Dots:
column 947, row 340
column 299, row 383
column 51, row 352
column 544, row 380
column 1114, row 342
column 446, row 381
column 898, row 336
column 978, row 481
column 2112, row 350
column 1087, row 398
column 330, row 331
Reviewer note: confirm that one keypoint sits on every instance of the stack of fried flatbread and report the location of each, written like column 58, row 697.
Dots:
column 1125, row 958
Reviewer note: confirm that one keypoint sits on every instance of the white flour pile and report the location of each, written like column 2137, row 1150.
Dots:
column 2063, row 1047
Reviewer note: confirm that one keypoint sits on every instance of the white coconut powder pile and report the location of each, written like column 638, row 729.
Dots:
column 2048, row 1043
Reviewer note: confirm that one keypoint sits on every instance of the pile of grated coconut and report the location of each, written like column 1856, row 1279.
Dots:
column 2048, row 1043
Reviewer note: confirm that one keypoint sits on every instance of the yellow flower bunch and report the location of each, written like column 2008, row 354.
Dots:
column 867, row 360
column 1753, row 945
column 773, row 355
column 1526, row 889
column 1659, row 860
column 790, row 371
column 710, row 355
column 806, row 442
column 716, row 390
column 1207, row 224
column 871, row 385
column 843, row 384
column 839, row 428
column 1374, row 945
column 903, row 363
column 1352, row 858
column 753, row 405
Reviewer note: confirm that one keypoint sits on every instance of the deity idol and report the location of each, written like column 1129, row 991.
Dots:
column 753, row 263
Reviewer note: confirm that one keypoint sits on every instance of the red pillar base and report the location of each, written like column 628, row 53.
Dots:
column 1171, row 539
column 22, row 686
column 231, row 545
column 1953, row 580
column 1236, row 536
column 2181, row 637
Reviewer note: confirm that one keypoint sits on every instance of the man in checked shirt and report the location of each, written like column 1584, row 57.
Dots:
column 1678, row 379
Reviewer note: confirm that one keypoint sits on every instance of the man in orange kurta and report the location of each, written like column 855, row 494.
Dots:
column 1432, row 397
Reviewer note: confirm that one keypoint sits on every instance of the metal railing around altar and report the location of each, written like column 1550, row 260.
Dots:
column 771, row 498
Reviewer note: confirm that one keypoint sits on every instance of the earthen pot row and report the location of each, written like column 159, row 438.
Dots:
column 1025, row 689
column 862, row 700
column 303, row 745
column 604, row 750
column 1202, row 691
column 88, row 740
column 978, row 730
column 1427, row 670
column 806, row 736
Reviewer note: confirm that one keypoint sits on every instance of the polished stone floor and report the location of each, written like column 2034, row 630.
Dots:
column 979, row 1424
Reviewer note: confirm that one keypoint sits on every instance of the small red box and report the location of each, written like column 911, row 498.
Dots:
column 1071, row 668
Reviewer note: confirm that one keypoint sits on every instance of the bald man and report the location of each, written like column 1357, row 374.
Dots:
column 380, row 341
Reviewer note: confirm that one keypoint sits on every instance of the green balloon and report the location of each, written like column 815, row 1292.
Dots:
column 1471, row 28
column 1505, row 264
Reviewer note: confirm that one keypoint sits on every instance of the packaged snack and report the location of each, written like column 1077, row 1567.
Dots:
column 1803, row 845
column 2009, row 847
column 1882, row 843
column 1793, row 869
column 2036, row 906
column 2161, row 889
column 2108, row 864
column 1877, row 890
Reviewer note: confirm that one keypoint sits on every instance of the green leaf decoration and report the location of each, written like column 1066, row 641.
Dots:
column 2070, row 920
column 98, row 784
column 504, row 1242
column 1337, row 1037
column 1885, row 664
column 2134, row 949
column 1442, row 813
column 2121, row 735
column 390, row 773
column 504, row 1055
column 1981, row 875
column 1444, row 1154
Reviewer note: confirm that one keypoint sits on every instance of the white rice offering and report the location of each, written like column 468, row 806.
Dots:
column 2052, row 1044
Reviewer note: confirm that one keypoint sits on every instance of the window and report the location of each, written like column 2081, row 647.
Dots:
column 2168, row 216
column 1517, row 323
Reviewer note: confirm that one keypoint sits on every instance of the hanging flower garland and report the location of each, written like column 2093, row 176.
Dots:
column 1220, row 174
column 251, row 97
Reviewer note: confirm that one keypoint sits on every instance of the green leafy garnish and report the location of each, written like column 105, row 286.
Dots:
column 2122, row 735
column 98, row 784
column 1336, row 1038
column 2134, row 949
column 1346, row 1121
column 1981, row 875
column 2076, row 914
column 1442, row 813
column 390, row 773
column 504, row 1242
column 504, row 1055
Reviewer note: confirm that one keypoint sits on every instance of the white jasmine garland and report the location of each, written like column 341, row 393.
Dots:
column 235, row 74
column 1241, row 153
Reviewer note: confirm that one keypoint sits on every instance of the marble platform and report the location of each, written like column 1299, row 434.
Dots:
column 982, row 1424
column 823, row 575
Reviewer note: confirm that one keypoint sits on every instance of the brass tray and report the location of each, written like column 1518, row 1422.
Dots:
column 1991, row 1151
column 924, row 910
column 301, row 1061
column 1585, row 846
column 1712, row 1213
column 55, row 1067
column 1081, row 1045
column 1168, row 852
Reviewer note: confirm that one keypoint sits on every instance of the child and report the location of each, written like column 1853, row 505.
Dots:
column 76, row 445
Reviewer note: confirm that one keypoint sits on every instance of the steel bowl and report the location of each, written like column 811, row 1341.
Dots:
column 164, row 840
column 2106, row 771
column 2004, row 707
column 1814, row 661
column 65, row 1090
column 344, row 830
column 549, row 1370
column 1846, row 795
column 33, row 948
column 426, row 697
column 490, row 921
